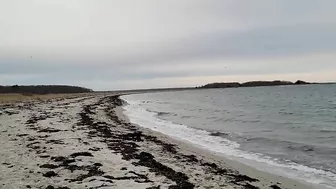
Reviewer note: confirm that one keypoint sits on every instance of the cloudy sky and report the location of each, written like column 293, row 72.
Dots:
column 125, row 44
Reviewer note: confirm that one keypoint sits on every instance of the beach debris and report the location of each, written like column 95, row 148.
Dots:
column 49, row 130
column 154, row 187
column 49, row 166
column 50, row 174
column 275, row 187
column 81, row 154
column 52, row 187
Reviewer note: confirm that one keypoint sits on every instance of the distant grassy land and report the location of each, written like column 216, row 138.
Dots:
column 43, row 89
column 17, row 93
column 253, row 84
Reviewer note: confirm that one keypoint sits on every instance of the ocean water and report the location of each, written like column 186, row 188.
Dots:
column 286, row 130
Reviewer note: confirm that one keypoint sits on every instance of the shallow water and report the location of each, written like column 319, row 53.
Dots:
column 290, row 130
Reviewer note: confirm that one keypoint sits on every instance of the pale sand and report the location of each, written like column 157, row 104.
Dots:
column 39, row 142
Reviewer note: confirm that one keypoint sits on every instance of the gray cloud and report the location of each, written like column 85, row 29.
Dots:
column 84, row 41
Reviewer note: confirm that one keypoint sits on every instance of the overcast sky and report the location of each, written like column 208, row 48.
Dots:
column 125, row 44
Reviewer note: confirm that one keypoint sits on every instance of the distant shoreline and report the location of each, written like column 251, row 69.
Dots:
column 257, row 84
column 42, row 89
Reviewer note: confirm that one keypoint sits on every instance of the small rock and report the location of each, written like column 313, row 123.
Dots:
column 154, row 187
column 58, row 158
column 98, row 164
column 44, row 156
column 81, row 154
column 94, row 149
column 50, row 174
column 49, row 166
column 275, row 187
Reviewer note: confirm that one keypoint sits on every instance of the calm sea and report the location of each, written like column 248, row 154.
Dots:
column 286, row 130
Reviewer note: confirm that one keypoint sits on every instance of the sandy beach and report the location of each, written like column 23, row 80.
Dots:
column 87, row 142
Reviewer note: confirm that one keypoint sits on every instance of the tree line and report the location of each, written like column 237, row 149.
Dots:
column 252, row 84
column 43, row 89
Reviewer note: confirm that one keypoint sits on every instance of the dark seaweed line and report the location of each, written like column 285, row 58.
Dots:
column 234, row 177
column 125, row 143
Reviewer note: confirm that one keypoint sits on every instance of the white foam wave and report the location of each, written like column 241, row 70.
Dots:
column 230, row 149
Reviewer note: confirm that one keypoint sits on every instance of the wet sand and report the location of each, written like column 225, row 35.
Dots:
column 87, row 142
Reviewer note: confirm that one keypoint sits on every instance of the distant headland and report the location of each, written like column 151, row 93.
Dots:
column 253, row 84
column 43, row 89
